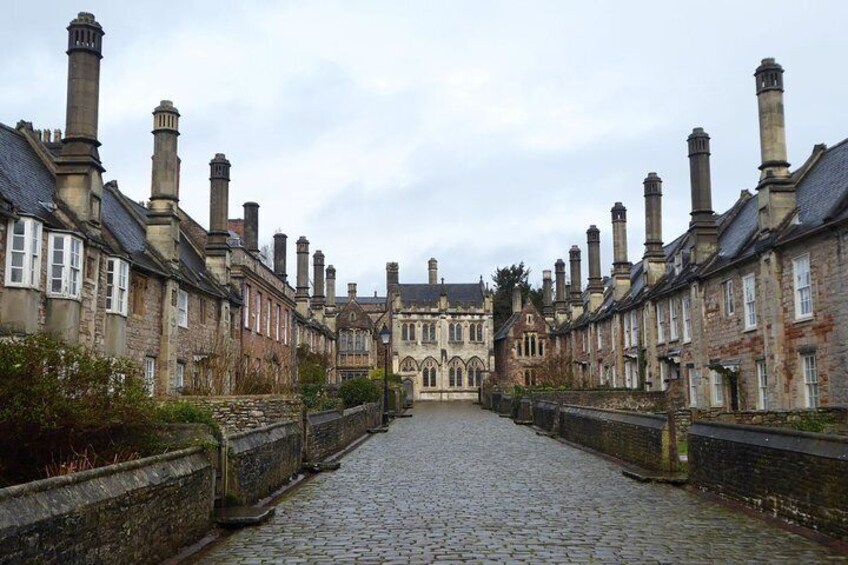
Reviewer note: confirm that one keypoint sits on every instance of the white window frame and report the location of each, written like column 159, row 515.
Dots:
column 27, row 246
column 182, row 308
column 600, row 336
column 811, row 380
column 69, row 273
column 694, row 380
column 749, row 294
column 687, row 319
column 660, row 323
column 149, row 374
column 762, row 385
column 802, row 283
column 727, row 292
column 257, row 314
column 268, row 306
column 179, row 376
column 634, row 328
column 279, row 312
column 117, row 286
column 247, row 306
column 673, row 314
column 716, row 388
column 626, row 330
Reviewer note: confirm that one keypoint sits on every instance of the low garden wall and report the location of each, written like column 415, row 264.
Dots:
column 239, row 413
column 524, row 410
column 646, row 440
column 140, row 511
column 827, row 420
column 798, row 476
column 260, row 461
column 627, row 400
column 546, row 415
column 505, row 405
column 331, row 431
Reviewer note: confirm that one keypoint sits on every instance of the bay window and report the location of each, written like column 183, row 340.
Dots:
column 65, row 266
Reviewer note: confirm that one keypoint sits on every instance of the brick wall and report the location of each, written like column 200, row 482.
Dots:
column 135, row 512
column 645, row 440
column 261, row 460
column 239, row 413
column 797, row 476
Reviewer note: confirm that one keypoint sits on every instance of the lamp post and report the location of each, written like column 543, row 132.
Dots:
column 385, row 337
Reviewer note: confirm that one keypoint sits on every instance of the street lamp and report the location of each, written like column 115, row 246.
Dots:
column 385, row 337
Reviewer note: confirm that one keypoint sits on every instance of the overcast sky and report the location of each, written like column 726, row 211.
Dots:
column 480, row 133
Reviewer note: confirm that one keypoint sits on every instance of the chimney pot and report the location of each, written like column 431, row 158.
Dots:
column 433, row 271
column 516, row 299
column 302, row 293
column 351, row 291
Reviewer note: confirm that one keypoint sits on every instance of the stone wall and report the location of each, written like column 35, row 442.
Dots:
column 331, row 431
column 797, row 476
column 505, row 405
column 831, row 420
column 645, row 440
column 140, row 511
column 630, row 400
column 260, row 461
column 546, row 415
column 239, row 413
column 524, row 410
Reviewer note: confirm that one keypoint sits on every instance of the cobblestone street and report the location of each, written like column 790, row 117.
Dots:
column 458, row 484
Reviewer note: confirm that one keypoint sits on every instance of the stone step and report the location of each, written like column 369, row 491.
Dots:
column 242, row 516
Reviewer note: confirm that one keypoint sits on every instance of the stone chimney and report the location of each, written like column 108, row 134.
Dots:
column 280, row 240
column 516, row 299
column 703, row 225
column 654, row 258
column 251, row 226
column 330, row 306
column 163, row 222
column 620, row 266
column 392, row 278
column 561, row 302
column 318, row 281
column 776, row 193
column 217, row 248
column 78, row 176
column 547, row 295
column 302, row 290
column 351, row 291
column 575, row 294
column 433, row 271
column 596, row 285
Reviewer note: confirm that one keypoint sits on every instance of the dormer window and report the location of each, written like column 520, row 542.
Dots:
column 23, row 259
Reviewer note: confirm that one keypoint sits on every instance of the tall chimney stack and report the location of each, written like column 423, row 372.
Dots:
column 576, row 298
column 433, row 271
column 318, row 280
column 302, row 290
column 654, row 258
column 78, row 180
column 163, row 222
column 595, row 286
column 776, row 193
column 516, row 299
column 217, row 248
column 703, row 224
column 330, row 306
column 620, row 266
column 280, row 240
column 547, row 295
column 351, row 291
column 561, row 302
column 251, row 226
column 392, row 278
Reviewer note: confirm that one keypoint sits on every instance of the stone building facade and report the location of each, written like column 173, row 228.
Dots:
column 744, row 311
column 90, row 265
column 522, row 344
column 442, row 335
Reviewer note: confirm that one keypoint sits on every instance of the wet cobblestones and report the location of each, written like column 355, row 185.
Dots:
column 457, row 484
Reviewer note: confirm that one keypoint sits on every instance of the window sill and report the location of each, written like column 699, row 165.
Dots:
column 21, row 286
column 804, row 319
column 63, row 297
column 749, row 330
column 113, row 313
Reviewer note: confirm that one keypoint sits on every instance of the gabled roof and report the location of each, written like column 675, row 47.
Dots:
column 470, row 294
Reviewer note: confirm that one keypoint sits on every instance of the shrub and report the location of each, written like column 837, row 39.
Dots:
column 316, row 399
column 60, row 401
column 354, row 392
column 182, row 412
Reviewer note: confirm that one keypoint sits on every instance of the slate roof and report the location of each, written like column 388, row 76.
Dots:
column 363, row 300
column 470, row 294
column 24, row 180
column 504, row 330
